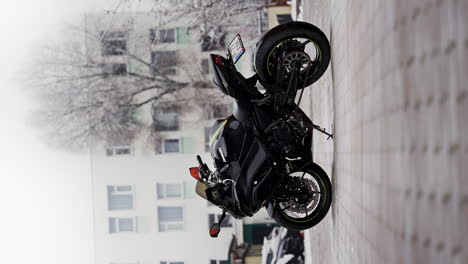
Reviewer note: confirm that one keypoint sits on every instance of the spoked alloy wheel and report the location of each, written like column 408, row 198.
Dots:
column 307, row 199
column 294, row 56
column 287, row 52
column 292, row 37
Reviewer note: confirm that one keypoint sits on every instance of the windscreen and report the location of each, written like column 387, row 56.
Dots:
column 201, row 188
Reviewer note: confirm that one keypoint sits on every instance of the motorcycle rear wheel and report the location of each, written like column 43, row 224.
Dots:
column 273, row 40
column 301, row 221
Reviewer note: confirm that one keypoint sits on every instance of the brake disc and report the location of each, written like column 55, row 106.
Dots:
column 295, row 206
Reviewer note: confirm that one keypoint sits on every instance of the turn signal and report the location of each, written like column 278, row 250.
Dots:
column 195, row 172
column 214, row 230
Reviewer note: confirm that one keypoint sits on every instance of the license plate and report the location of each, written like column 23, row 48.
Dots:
column 236, row 48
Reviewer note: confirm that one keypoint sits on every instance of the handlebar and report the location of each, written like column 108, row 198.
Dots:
column 206, row 173
column 200, row 162
column 204, row 170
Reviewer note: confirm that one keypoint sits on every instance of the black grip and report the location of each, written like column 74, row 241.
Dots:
column 225, row 168
column 200, row 162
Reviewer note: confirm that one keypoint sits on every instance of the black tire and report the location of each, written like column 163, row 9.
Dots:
column 321, row 208
column 277, row 35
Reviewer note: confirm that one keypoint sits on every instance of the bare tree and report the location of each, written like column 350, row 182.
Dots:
column 210, row 16
column 85, row 99
column 208, row 11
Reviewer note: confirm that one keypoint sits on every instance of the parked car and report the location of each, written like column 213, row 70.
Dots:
column 283, row 246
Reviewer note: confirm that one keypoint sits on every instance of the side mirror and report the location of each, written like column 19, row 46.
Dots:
column 215, row 229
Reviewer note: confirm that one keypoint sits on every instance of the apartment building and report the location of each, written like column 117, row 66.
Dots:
column 145, row 207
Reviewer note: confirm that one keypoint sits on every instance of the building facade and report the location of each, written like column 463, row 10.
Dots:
column 145, row 207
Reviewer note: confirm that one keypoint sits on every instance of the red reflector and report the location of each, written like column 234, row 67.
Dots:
column 195, row 172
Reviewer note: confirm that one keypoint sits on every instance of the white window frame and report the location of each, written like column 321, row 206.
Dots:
column 181, row 222
column 171, row 261
column 162, row 111
column 218, row 261
column 120, row 36
column 111, row 151
column 157, row 35
column 117, row 228
column 163, row 144
column 162, row 68
column 132, row 192
column 182, row 194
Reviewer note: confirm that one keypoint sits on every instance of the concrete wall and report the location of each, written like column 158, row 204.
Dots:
column 396, row 96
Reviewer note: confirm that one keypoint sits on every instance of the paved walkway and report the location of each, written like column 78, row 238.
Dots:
column 396, row 95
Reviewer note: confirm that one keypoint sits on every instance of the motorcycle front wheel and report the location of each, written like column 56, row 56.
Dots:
column 288, row 42
column 306, row 199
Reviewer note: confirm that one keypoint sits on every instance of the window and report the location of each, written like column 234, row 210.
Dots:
column 165, row 118
column 213, row 38
column 113, row 43
column 205, row 66
column 116, row 69
column 163, row 35
column 164, row 62
column 284, row 18
column 171, row 145
column 118, row 150
column 214, row 218
column 183, row 35
column 171, row 218
column 218, row 111
column 213, row 261
column 121, row 224
column 207, row 139
column 169, row 191
column 120, row 197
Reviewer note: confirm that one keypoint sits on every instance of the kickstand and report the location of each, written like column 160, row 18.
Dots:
column 322, row 130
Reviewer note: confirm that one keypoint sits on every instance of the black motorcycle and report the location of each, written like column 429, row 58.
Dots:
column 262, row 152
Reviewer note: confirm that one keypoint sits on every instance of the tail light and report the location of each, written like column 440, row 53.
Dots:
column 195, row 172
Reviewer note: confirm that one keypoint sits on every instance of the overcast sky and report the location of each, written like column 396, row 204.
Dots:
column 46, row 194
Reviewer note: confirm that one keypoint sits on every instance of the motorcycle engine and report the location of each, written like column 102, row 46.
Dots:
column 285, row 137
